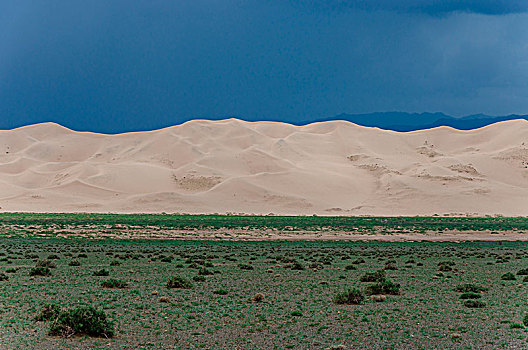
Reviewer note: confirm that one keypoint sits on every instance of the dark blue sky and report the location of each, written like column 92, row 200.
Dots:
column 126, row 65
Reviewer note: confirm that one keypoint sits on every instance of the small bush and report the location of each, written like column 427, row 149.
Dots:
column 82, row 320
column 351, row 296
column 508, row 276
column 470, row 295
column 74, row 263
column 297, row 266
column 199, row 278
column 525, row 320
column 53, row 257
column 245, row 267
column 115, row 263
column 40, row 271
column 384, row 287
column 46, row 263
column 522, row 272
column 3, row 277
column 258, row 297
column 102, row 272
column 350, row 267
column 377, row 276
column 390, row 266
column 468, row 287
column 11, row 270
column 474, row 304
column 220, row 292
column 205, row 272
column 48, row 312
column 445, row 268
column 179, row 282
column 114, row 283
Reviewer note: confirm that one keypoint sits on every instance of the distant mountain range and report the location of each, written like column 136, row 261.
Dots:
column 402, row 121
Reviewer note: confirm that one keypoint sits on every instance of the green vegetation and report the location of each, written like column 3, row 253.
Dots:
column 230, row 294
column 49, row 223
column 114, row 283
column 179, row 282
column 81, row 320
column 351, row 296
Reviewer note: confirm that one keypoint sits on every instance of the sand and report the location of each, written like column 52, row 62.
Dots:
column 233, row 166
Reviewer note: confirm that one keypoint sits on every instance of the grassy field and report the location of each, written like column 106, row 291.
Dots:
column 251, row 222
column 264, row 295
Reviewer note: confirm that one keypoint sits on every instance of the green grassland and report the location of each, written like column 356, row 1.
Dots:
column 264, row 295
column 252, row 222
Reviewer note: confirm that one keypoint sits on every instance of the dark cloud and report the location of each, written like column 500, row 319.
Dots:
column 138, row 64
column 431, row 7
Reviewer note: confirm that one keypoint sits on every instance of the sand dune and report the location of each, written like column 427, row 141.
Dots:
column 232, row 166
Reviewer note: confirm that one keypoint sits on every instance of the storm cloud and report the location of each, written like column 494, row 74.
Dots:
column 136, row 65
column 431, row 7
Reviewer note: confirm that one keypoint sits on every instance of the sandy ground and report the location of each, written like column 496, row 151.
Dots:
column 232, row 166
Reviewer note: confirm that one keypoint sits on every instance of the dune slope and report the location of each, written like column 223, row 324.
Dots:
column 232, row 166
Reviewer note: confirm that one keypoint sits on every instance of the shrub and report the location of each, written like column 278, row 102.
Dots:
column 45, row 263
column 258, row 297
column 377, row 276
column 11, row 270
column 199, row 278
column 205, row 272
column 245, row 267
column 474, row 303
column 48, row 312
column 297, row 266
column 390, row 266
column 101, row 272
column 525, row 320
column 166, row 259
column 508, row 276
column 468, row 287
column 82, row 320
column 383, row 287
column 522, row 272
column 470, row 295
column 179, row 282
column 444, row 268
column 114, row 283
column 74, row 263
column 351, row 296
column 350, row 267
column 53, row 256
column 40, row 271
column 220, row 292
column 115, row 263
column 3, row 277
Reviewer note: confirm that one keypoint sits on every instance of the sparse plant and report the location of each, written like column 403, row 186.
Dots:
column 472, row 303
column 82, row 320
column 352, row 296
column 179, row 282
column 114, row 283
column 40, row 271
